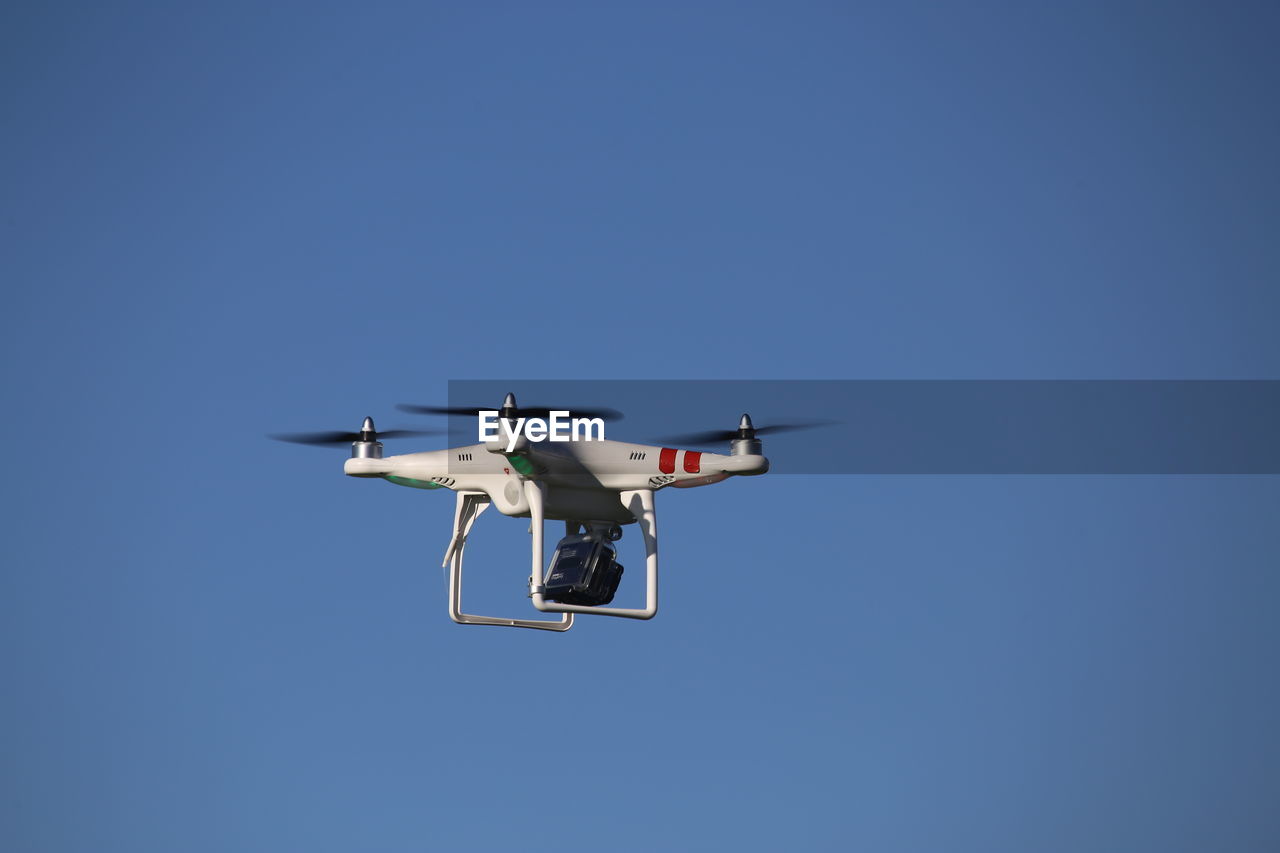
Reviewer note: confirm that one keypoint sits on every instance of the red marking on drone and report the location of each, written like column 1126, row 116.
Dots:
column 506, row 470
column 692, row 462
column 667, row 460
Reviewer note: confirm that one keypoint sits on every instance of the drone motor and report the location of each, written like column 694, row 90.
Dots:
column 366, row 446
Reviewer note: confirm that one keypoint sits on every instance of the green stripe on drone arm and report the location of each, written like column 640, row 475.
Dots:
column 524, row 466
column 412, row 483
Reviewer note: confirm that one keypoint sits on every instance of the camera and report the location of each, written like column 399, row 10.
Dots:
column 584, row 570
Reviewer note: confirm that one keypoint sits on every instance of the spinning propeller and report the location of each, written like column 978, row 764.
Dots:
column 746, row 431
column 336, row 438
column 511, row 410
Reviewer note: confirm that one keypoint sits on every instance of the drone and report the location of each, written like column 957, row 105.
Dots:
column 596, row 486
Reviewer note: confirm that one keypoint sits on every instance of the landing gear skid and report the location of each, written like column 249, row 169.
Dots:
column 468, row 509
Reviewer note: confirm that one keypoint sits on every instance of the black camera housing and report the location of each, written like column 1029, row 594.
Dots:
column 584, row 571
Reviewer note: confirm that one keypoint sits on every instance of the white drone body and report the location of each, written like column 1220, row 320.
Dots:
column 598, row 485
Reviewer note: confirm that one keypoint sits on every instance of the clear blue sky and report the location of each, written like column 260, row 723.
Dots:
column 224, row 221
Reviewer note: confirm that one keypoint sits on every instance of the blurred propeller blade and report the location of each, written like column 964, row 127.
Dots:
column 408, row 433
column 435, row 410
column 721, row 436
column 714, row 436
column 774, row 429
column 318, row 439
column 521, row 411
column 545, row 412
column 338, row 437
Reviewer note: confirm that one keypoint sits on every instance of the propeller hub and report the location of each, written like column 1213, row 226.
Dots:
column 367, row 445
column 508, row 412
column 746, row 443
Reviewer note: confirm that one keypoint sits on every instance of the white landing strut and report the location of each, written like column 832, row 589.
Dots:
column 640, row 503
column 468, row 509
